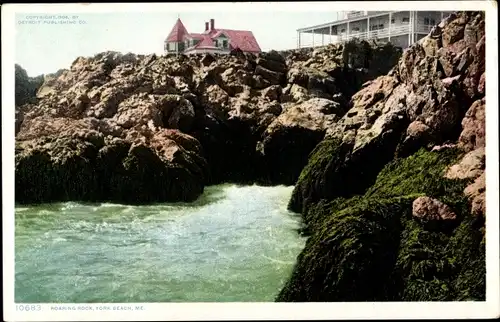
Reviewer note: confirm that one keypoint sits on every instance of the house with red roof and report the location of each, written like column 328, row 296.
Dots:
column 212, row 40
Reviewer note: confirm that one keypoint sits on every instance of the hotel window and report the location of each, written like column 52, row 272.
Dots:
column 355, row 29
column 342, row 31
column 405, row 20
column 429, row 21
column 381, row 26
column 392, row 20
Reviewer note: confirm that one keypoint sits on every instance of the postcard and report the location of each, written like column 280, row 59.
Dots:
column 250, row 161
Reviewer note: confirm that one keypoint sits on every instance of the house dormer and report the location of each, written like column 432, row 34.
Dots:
column 221, row 40
column 191, row 42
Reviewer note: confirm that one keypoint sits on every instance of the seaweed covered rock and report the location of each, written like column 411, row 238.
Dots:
column 393, row 197
column 371, row 247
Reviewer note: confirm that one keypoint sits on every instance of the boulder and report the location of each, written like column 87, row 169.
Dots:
column 470, row 166
column 476, row 192
column 429, row 209
column 474, row 125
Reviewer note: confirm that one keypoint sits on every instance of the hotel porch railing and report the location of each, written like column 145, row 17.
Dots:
column 384, row 33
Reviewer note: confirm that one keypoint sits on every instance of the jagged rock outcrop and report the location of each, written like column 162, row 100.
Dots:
column 315, row 97
column 243, row 110
column 103, row 130
column 393, row 197
column 241, row 96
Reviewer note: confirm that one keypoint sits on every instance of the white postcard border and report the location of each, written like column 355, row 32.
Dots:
column 253, row 311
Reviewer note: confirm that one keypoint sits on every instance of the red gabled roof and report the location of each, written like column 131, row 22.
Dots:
column 242, row 39
column 178, row 32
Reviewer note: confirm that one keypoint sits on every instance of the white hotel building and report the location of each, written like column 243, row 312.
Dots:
column 402, row 28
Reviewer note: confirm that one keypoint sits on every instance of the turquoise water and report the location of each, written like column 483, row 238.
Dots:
column 236, row 243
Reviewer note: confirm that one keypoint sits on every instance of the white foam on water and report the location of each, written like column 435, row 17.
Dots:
column 59, row 239
column 191, row 251
column 70, row 205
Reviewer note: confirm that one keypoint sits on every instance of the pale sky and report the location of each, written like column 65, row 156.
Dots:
column 141, row 28
column 43, row 48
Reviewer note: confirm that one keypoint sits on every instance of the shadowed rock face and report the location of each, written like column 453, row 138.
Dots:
column 248, row 119
column 25, row 92
column 25, row 86
column 393, row 197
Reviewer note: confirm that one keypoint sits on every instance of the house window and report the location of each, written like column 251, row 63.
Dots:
column 405, row 20
column 171, row 46
column 224, row 43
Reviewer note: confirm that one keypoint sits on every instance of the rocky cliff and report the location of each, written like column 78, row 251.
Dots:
column 25, row 91
column 393, row 197
column 134, row 128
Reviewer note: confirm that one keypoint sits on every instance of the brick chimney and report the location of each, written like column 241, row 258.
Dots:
column 206, row 26
column 212, row 24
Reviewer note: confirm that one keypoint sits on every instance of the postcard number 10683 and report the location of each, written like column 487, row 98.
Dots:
column 27, row 307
